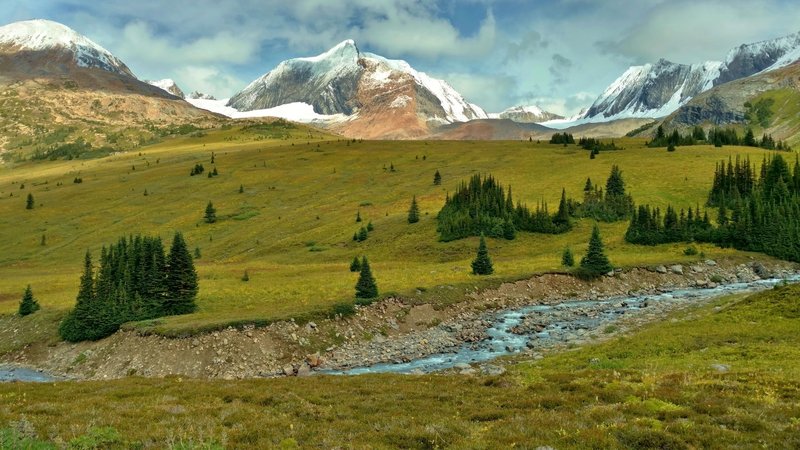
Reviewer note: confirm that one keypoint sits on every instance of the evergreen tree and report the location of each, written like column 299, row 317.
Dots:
column 29, row 203
column 437, row 178
column 181, row 279
column 413, row 211
column 358, row 216
column 567, row 259
column 241, row 189
column 750, row 138
column 482, row 265
column 362, row 234
column 210, row 215
column 366, row 286
column 78, row 325
column 615, row 185
column 246, row 276
column 28, row 304
column 355, row 266
column 671, row 147
column 595, row 263
column 370, row 227
column 509, row 232
column 562, row 216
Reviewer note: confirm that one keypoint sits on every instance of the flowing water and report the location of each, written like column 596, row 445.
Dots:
column 503, row 341
column 9, row 373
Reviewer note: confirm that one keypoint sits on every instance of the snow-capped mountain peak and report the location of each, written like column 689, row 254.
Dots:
column 526, row 114
column 337, row 81
column 45, row 35
column 169, row 85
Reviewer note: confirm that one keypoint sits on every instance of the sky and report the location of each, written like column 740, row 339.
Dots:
column 557, row 54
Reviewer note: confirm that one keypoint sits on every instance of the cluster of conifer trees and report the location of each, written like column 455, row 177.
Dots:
column 596, row 145
column 610, row 205
column 562, row 138
column 716, row 136
column 756, row 212
column 482, row 207
column 648, row 227
column 136, row 280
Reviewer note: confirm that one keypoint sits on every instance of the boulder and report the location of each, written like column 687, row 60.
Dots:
column 661, row 269
column 676, row 269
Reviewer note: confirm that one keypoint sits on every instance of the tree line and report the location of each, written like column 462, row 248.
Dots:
column 717, row 137
column 136, row 280
column 482, row 206
column 757, row 212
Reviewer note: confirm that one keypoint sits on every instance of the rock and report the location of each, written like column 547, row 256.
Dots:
column 711, row 262
column 721, row 368
column 462, row 366
column 661, row 269
column 288, row 370
column 469, row 371
column 697, row 269
column 760, row 270
column 677, row 269
column 304, row 370
column 314, row 360
column 493, row 370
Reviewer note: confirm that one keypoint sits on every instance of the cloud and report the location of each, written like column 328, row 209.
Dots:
column 559, row 68
column 528, row 46
column 208, row 80
column 491, row 92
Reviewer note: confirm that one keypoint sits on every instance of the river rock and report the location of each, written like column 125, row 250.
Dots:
column 493, row 370
column 661, row 269
column 304, row 370
column 677, row 269
column 711, row 262
column 462, row 366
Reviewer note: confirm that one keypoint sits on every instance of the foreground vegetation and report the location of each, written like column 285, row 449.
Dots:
column 724, row 375
column 285, row 206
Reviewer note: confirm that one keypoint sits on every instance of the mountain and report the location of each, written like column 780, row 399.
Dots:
column 59, row 42
column 378, row 97
column 657, row 90
column 168, row 85
column 58, row 86
column 527, row 114
column 197, row 95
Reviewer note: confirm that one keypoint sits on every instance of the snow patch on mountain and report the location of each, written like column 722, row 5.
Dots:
column 167, row 85
column 296, row 112
column 43, row 35
column 525, row 114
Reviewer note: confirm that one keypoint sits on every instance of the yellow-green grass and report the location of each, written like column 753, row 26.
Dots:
column 656, row 388
column 292, row 227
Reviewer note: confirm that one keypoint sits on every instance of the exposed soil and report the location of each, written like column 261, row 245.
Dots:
column 392, row 330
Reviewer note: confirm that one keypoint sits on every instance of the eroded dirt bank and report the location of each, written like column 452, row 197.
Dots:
column 389, row 331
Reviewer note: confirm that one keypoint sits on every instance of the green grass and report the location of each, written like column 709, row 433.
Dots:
column 655, row 388
column 300, row 187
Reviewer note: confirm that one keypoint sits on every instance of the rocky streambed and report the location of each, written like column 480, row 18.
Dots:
column 532, row 316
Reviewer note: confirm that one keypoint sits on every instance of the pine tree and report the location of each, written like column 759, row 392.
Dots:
column 671, row 147
column 241, row 189
column 370, row 227
column 615, row 185
column 509, row 232
column 437, row 178
column 197, row 253
column 567, row 259
column 482, row 265
column 355, row 266
column 246, row 276
column 211, row 213
column 413, row 211
column 77, row 325
column 595, row 263
column 358, row 216
column 28, row 304
column 29, row 202
column 362, row 234
column 366, row 286
column 562, row 216
column 181, row 279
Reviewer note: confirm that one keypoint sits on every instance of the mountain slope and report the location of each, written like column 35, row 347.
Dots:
column 657, row 90
column 58, row 87
column 527, row 114
column 381, row 98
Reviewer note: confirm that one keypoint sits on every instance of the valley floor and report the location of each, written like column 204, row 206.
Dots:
column 720, row 375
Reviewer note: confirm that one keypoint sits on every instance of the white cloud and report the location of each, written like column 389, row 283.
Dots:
column 208, row 80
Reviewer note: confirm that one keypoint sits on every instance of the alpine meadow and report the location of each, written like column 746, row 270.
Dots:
column 350, row 252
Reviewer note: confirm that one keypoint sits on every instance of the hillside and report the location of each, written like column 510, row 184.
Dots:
column 292, row 227
column 721, row 375
column 58, row 87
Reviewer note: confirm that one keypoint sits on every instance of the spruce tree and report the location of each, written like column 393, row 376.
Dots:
column 595, row 263
column 362, row 234
column 181, row 279
column 437, row 178
column 210, row 215
column 355, row 266
column 366, row 286
column 77, row 325
column 413, row 211
column 241, row 189
column 29, row 202
column 562, row 216
column 358, row 216
column 28, row 304
column 567, row 259
column 671, row 147
column 615, row 185
column 370, row 227
column 509, row 232
column 482, row 265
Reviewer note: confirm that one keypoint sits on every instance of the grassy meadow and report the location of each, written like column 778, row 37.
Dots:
column 654, row 388
column 291, row 228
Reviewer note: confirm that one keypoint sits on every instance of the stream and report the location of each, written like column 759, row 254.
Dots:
column 12, row 373
column 554, row 325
